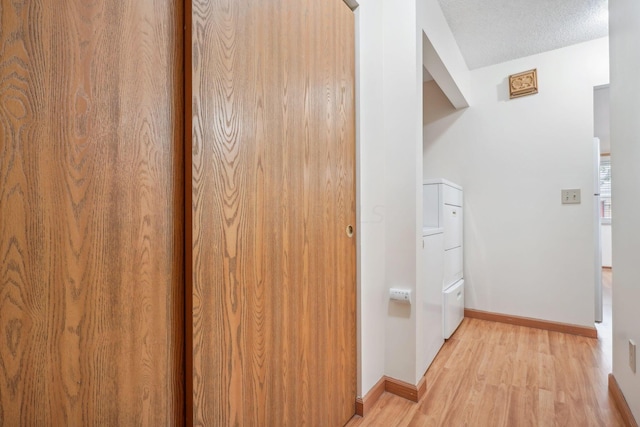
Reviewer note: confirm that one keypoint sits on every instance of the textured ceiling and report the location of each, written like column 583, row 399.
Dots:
column 492, row 31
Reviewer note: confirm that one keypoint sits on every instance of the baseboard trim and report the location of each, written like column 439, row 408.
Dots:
column 408, row 391
column 585, row 331
column 364, row 404
column 621, row 402
column 391, row 385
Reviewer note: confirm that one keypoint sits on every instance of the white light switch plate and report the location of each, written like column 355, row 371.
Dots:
column 570, row 196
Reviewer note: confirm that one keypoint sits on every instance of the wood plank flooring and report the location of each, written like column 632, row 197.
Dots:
column 493, row 374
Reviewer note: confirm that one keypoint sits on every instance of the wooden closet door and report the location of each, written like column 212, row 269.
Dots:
column 91, row 213
column 274, row 334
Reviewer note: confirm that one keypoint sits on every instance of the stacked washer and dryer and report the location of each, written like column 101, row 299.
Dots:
column 442, row 208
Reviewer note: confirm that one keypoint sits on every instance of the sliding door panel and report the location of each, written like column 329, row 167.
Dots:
column 91, row 213
column 274, row 335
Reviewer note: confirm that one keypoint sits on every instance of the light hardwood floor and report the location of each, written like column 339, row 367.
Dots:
column 493, row 374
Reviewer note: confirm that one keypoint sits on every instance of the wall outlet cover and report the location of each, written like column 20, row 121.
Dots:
column 400, row 295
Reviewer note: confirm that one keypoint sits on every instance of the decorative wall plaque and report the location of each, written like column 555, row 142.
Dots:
column 525, row 83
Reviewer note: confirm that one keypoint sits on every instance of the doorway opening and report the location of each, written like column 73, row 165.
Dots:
column 604, row 260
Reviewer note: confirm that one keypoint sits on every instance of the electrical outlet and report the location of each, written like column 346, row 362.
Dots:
column 570, row 196
column 400, row 295
column 632, row 356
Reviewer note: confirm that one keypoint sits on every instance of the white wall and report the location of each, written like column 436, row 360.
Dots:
column 372, row 291
column 624, row 28
column 389, row 75
column 389, row 143
column 525, row 253
column 402, row 70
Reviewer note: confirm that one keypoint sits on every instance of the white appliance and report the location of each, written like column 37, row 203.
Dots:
column 429, row 308
column 443, row 207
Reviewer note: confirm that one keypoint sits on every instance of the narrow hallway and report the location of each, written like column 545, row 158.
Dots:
column 494, row 374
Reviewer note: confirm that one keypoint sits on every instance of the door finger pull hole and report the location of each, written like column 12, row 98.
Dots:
column 350, row 230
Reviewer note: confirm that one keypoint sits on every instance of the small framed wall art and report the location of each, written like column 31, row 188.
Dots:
column 522, row 84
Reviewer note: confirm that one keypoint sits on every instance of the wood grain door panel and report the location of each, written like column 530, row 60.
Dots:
column 273, row 178
column 91, row 213
column 91, row 206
